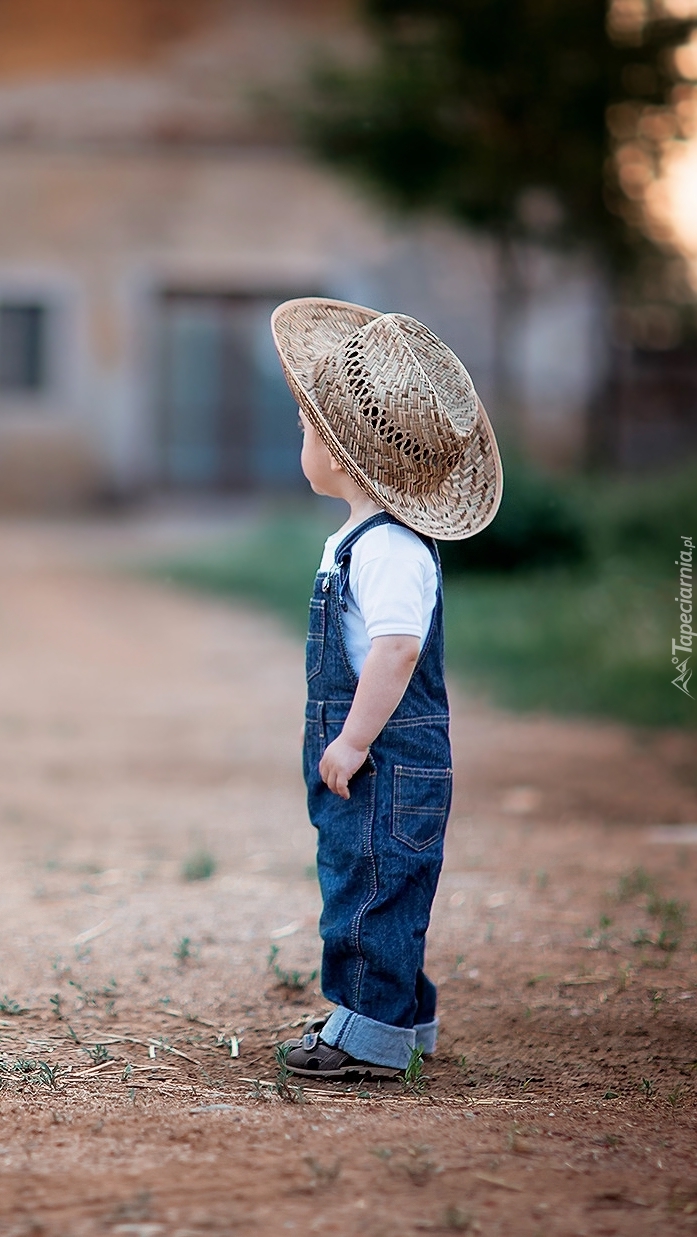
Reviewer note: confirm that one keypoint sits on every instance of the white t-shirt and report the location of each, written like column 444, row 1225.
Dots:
column 392, row 587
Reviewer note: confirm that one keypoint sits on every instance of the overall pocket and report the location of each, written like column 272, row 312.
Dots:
column 314, row 648
column 420, row 805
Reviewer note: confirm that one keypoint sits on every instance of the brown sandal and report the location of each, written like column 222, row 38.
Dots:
column 313, row 1058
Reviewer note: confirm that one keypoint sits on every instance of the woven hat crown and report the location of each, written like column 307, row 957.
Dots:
column 399, row 401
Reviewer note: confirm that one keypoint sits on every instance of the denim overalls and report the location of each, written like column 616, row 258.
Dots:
column 380, row 852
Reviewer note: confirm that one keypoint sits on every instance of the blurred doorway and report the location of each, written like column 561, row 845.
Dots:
column 226, row 418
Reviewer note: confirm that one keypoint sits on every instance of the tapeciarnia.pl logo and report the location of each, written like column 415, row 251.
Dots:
column 684, row 644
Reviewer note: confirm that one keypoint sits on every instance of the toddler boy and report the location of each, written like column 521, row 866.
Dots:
column 392, row 425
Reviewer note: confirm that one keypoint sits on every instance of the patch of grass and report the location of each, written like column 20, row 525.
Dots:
column 588, row 642
column 293, row 980
column 200, row 865
column 579, row 633
column 273, row 565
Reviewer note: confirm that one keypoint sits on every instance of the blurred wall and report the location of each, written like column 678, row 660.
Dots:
column 153, row 210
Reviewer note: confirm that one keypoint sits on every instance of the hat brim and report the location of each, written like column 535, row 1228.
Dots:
column 464, row 502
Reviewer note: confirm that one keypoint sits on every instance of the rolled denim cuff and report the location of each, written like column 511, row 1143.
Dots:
column 427, row 1036
column 367, row 1040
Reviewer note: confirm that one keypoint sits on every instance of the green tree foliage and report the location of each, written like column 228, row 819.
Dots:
column 533, row 119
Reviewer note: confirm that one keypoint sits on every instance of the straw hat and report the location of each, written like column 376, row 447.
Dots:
column 397, row 409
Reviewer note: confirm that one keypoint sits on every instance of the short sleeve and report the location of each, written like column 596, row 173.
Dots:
column 390, row 577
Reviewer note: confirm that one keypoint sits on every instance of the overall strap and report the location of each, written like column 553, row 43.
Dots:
column 342, row 555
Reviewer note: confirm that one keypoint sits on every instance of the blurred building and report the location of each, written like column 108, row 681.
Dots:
column 153, row 210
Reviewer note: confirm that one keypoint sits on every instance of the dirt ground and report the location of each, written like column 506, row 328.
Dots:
column 138, row 1010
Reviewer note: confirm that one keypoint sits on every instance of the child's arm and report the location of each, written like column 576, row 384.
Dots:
column 383, row 681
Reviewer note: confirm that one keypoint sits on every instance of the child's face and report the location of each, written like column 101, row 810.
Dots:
column 318, row 464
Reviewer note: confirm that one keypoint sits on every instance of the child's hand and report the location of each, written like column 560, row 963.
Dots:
column 339, row 763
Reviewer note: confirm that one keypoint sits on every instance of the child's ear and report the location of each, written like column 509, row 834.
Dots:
column 334, row 465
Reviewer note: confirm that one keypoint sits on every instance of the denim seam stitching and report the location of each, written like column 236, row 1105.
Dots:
column 368, row 822
column 318, row 606
column 400, row 809
column 343, row 1033
column 334, row 602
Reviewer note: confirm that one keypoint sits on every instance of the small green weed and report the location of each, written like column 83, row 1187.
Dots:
column 668, row 910
column 262, row 1091
column 611, row 1094
column 183, row 950
column 48, row 1074
column 676, row 1096
column 10, row 1007
column 200, row 865
column 667, row 941
column 293, row 980
column 414, row 1078
column 656, row 999
column 84, row 995
column 283, row 1088
column 55, row 1003
column 647, row 1088
column 99, row 1054
column 633, row 883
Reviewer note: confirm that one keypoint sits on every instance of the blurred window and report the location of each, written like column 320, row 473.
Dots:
column 22, row 348
column 227, row 418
